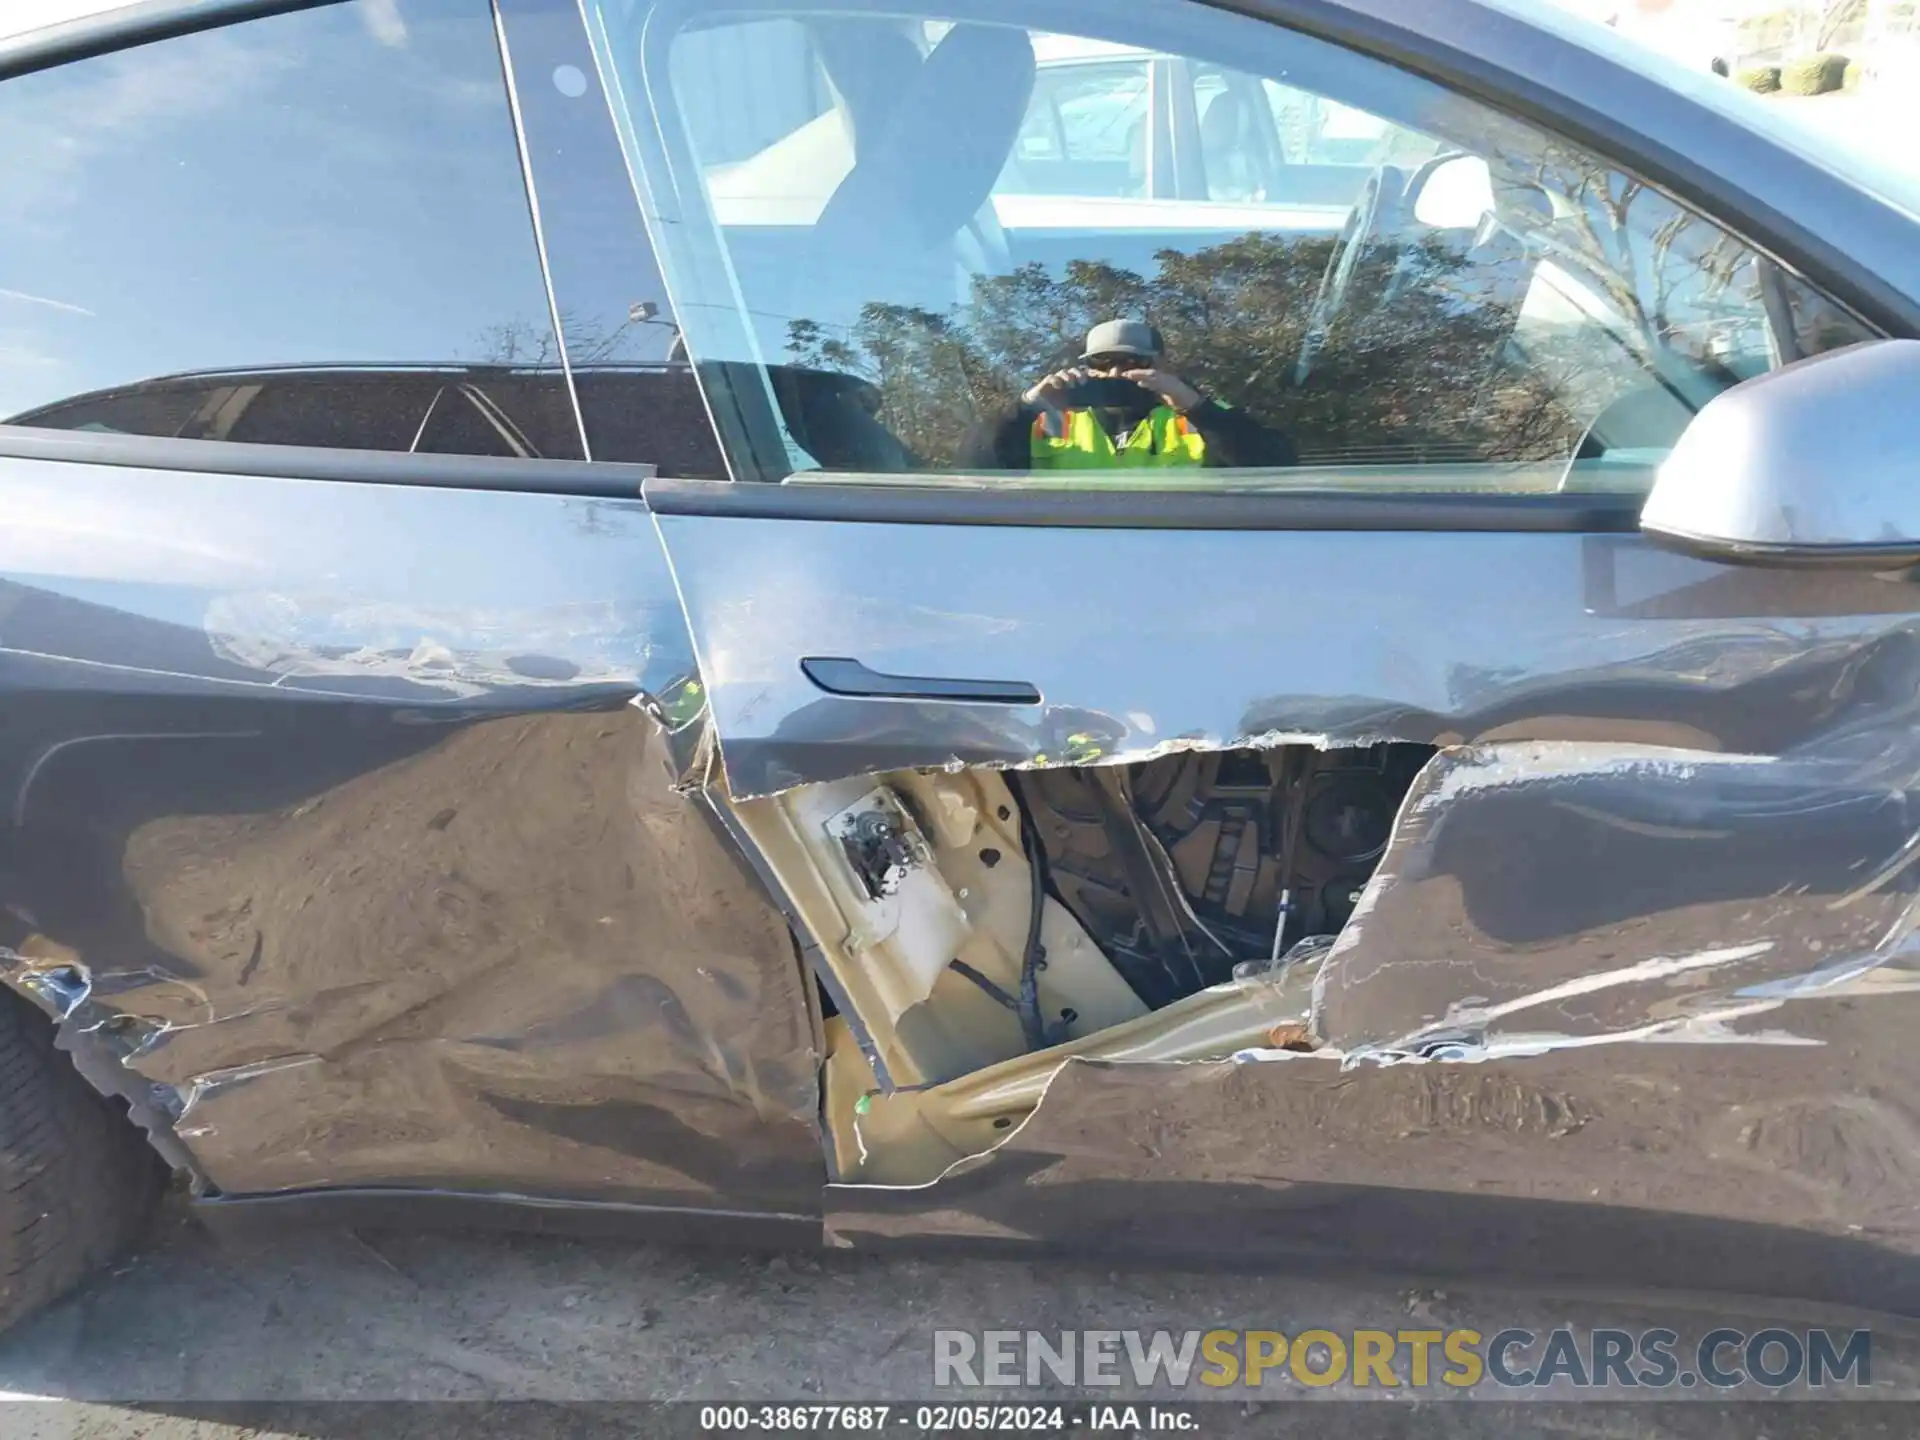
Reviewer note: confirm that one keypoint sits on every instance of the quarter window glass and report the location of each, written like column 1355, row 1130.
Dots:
column 1345, row 275
column 309, row 229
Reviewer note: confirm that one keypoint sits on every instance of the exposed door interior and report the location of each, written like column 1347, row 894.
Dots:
column 979, row 927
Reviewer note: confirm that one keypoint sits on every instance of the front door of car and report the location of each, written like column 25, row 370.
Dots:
column 1662, row 801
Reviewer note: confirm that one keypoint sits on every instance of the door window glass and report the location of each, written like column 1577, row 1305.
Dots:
column 1344, row 275
column 308, row 229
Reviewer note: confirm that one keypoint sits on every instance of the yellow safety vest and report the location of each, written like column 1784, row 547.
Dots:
column 1165, row 437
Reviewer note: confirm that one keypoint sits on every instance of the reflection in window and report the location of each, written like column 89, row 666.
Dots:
column 635, row 386
column 1085, row 132
column 309, row 229
column 1339, row 263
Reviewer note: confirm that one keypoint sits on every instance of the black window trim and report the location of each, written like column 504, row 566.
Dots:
column 597, row 478
column 529, row 185
column 1021, row 503
column 88, row 36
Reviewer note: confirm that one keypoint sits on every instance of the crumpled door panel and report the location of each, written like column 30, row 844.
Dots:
column 349, row 835
column 1628, row 997
column 1523, row 1076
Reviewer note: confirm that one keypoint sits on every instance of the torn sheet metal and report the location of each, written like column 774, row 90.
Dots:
column 352, row 833
column 1606, row 1015
column 1629, row 997
column 1542, row 894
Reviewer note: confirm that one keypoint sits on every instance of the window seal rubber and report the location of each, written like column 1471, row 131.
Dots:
column 1079, row 508
column 102, row 33
column 596, row 478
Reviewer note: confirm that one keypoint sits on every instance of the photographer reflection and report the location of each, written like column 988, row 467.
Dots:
column 1121, row 408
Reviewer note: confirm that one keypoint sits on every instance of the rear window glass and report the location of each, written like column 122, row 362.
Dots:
column 308, row 229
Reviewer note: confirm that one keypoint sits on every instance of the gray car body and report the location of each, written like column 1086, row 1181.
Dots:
column 357, row 835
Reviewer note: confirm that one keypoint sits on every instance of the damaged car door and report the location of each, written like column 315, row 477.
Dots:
column 346, row 708
column 1513, row 891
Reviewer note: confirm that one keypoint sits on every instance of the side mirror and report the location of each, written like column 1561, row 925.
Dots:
column 1817, row 463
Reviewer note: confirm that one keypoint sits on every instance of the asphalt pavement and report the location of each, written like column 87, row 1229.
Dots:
column 202, row 1336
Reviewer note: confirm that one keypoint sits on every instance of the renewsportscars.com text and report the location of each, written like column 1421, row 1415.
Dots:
column 1599, row 1359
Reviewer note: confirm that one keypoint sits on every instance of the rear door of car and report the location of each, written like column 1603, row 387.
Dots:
column 343, row 739
column 1667, row 796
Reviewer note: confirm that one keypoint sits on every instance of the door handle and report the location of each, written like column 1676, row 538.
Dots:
column 839, row 676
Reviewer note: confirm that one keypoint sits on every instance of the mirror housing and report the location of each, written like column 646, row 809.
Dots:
column 1814, row 464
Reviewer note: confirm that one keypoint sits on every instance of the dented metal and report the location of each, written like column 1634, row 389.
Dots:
column 334, row 903
column 392, row 837
column 1773, row 1171
column 1634, row 965
column 1610, row 1017
column 352, row 845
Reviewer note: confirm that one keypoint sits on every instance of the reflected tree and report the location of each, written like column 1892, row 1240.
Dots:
column 1581, row 289
column 1583, row 300
column 1390, row 383
column 531, row 344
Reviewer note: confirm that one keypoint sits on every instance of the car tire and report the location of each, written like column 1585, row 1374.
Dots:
column 78, row 1182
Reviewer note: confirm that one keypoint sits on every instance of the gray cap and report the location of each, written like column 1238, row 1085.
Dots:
column 1123, row 337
